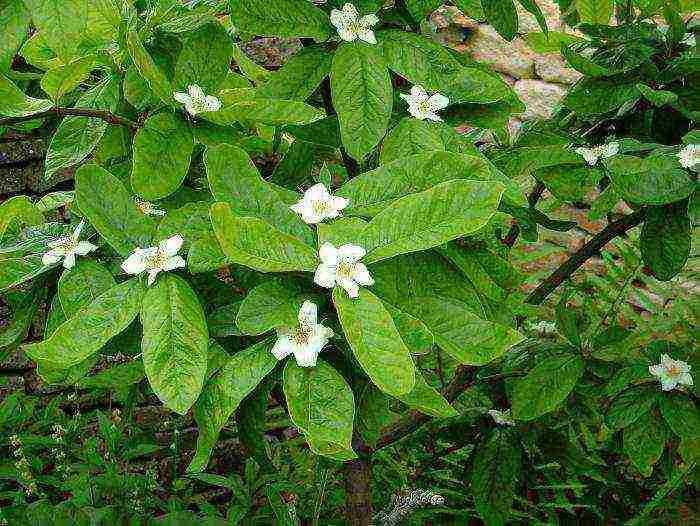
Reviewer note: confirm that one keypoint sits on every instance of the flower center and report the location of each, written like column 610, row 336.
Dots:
column 345, row 269
column 424, row 106
column 673, row 370
column 144, row 206
column 157, row 260
column 302, row 334
column 354, row 27
column 319, row 207
column 67, row 243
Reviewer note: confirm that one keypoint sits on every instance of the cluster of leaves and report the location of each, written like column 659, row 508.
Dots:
column 427, row 208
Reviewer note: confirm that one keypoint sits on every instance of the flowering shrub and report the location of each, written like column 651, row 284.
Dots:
column 314, row 231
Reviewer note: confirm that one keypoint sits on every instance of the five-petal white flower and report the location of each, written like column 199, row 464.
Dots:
column 340, row 266
column 196, row 101
column 66, row 248
column 423, row 106
column 148, row 208
column 603, row 151
column 689, row 157
column 502, row 418
column 671, row 373
column 351, row 27
column 155, row 260
column 306, row 341
column 318, row 204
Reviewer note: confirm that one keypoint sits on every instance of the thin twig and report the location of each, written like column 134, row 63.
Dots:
column 587, row 251
column 76, row 112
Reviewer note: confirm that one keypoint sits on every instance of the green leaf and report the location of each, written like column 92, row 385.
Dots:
column 666, row 240
column 256, row 244
column 531, row 7
column 111, row 210
column 270, row 305
column 77, row 137
column 501, row 14
column 414, row 333
column 322, row 406
column 595, row 11
column 427, row 400
column 91, row 328
column 116, row 377
column 81, row 285
column 63, row 24
column 251, row 70
column 552, row 42
column 681, row 414
column 362, row 96
column 421, row 9
column 14, row 103
column 643, row 441
column 375, row 341
column 280, row 18
column 584, row 65
column 373, row 191
column 431, row 218
column 14, row 20
column 65, row 78
column 155, row 77
column 234, row 179
column 567, row 182
column 15, row 271
column 300, row 75
column 222, row 322
column 629, row 406
column 546, row 386
column 590, row 97
column 654, row 180
column 658, row 98
column 21, row 209
column 222, row 394
column 204, row 59
column 162, row 154
column 495, row 474
column 175, row 342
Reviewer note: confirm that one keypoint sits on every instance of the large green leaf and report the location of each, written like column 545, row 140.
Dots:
column 322, row 406
column 591, row 96
column 272, row 304
column 655, row 180
column 666, row 239
column 375, row 341
column 77, row 137
column 502, row 15
column 629, row 406
column 234, row 179
column 644, row 441
column 159, row 83
column 204, row 59
column 222, row 394
column 494, row 477
column 681, row 414
column 15, row 271
column 111, row 210
column 431, row 218
column 420, row 9
column 546, row 386
column 91, row 328
column 81, row 285
column 375, row 190
column 21, row 209
column 66, row 77
column 162, row 153
column 362, row 96
column 595, row 11
column 254, row 243
column 175, row 342
column 14, row 21
column 427, row 400
column 280, row 18
column 300, row 75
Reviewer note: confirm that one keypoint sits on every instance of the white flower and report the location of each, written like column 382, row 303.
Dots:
column 689, row 40
column 196, row 101
column 318, row 204
column 671, row 373
column 502, row 418
column 423, row 106
column 67, row 248
column 544, row 328
column 351, row 27
column 340, row 266
column 155, row 259
column 304, row 341
column 149, row 208
column 689, row 157
column 603, row 151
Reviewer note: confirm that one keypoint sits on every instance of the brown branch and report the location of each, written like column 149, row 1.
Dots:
column 75, row 112
column 587, row 251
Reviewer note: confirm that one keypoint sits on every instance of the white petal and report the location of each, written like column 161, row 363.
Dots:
column 683, row 366
column 369, row 21
column 350, row 287
column 350, row 11
column 339, row 203
column 328, row 254
column 305, row 356
column 195, row 91
column 212, row 103
column 367, row 35
column 611, row 149
column 283, row 347
column 135, row 263
column 83, row 248
column 432, row 116
column 418, row 93
column 685, row 379
column 191, row 109
column 182, row 98
column 174, row 262
column 666, row 360
column 438, row 102
column 325, row 276
column 406, row 97
column 78, row 230
column 317, row 192
column 339, row 19
column 52, row 257
column 300, row 206
column 346, row 34
column 152, row 275
column 588, row 155
column 668, row 384
column 656, row 370
column 308, row 313
column 362, row 275
column 351, row 252
column 69, row 260
column 172, row 245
